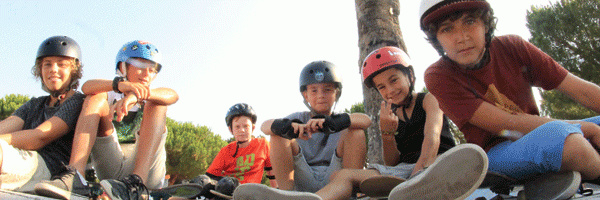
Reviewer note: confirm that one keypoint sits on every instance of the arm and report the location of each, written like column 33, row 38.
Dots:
column 495, row 120
column 582, row 91
column 163, row 96
column 388, row 123
column 34, row 139
column 266, row 127
column 359, row 121
column 433, row 128
column 272, row 182
column 11, row 124
column 96, row 86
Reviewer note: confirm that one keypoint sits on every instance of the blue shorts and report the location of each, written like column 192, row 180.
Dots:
column 539, row 151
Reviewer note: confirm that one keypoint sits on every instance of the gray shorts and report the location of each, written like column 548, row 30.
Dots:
column 112, row 160
column 21, row 169
column 402, row 170
column 313, row 178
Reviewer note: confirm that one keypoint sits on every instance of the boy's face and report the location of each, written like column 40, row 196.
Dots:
column 56, row 72
column 463, row 40
column 321, row 97
column 140, row 70
column 242, row 128
column 392, row 84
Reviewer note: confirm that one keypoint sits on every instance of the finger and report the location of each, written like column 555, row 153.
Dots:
column 382, row 109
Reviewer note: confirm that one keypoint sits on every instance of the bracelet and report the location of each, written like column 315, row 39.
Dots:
column 115, row 83
column 389, row 132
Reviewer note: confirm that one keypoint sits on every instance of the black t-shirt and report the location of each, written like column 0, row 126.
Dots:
column 411, row 133
column 35, row 112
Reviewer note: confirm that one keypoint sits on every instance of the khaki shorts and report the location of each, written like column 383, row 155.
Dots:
column 112, row 160
column 21, row 169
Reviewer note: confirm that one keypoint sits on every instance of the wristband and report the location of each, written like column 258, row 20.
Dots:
column 115, row 83
column 284, row 129
column 270, row 177
column 334, row 123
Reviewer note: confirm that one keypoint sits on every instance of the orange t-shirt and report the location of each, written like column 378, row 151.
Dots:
column 248, row 164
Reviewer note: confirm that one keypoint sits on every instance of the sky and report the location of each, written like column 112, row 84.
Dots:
column 217, row 53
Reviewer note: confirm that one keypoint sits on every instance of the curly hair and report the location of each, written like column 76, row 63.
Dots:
column 76, row 72
column 486, row 15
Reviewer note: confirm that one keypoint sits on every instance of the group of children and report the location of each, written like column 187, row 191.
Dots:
column 120, row 123
column 481, row 82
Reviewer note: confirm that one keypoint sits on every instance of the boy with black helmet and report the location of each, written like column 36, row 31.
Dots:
column 36, row 140
column 123, row 126
column 247, row 157
column 483, row 83
column 312, row 145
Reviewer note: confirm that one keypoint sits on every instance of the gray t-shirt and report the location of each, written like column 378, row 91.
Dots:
column 319, row 149
column 35, row 112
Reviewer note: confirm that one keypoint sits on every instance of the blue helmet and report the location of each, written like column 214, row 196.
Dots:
column 139, row 49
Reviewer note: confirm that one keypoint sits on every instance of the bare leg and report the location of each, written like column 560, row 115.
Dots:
column 152, row 128
column 345, row 180
column 579, row 155
column 86, row 130
column 352, row 149
column 282, row 152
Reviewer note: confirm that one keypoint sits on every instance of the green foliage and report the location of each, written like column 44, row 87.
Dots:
column 190, row 149
column 568, row 31
column 356, row 108
column 10, row 103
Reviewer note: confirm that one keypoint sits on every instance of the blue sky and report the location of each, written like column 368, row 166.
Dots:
column 216, row 53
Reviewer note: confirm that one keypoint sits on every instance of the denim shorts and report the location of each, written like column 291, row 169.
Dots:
column 313, row 178
column 539, row 151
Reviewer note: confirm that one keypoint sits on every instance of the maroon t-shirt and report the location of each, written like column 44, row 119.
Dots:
column 515, row 66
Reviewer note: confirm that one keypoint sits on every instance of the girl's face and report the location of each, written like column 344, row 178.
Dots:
column 393, row 85
column 56, row 72
column 321, row 97
column 463, row 40
column 242, row 128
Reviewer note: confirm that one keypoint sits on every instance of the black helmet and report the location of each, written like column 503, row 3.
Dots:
column 240, row 109
column 319, row 72
column 59, row 46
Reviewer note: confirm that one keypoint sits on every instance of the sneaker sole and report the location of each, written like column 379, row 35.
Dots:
column 254, row 191
column 550, row 186
column 379, row 186
column 186, row 190
column 47, row 190
column 454, row 175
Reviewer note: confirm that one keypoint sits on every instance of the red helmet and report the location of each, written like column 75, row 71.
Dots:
column 381, row 59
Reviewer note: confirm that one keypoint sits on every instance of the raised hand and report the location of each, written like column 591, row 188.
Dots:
column 388, row 121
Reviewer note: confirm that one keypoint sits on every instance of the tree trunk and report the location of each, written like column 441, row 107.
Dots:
column 378, row 26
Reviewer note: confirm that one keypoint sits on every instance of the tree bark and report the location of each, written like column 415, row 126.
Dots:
column 378, row 26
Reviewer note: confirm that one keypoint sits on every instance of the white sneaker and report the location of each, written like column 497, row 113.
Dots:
column 254, row 191
column 455, row 174
column 561, row 185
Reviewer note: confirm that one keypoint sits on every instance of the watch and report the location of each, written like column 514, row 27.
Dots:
column 115, row 83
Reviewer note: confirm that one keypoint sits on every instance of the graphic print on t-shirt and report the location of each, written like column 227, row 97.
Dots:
column 243, row 164
column 501, row 101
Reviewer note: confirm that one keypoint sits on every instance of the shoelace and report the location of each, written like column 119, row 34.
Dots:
column 134, row 183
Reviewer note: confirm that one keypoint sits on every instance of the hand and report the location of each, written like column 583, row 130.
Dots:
column 314, row 125
column 141, row 91
column 302, row 131
column 388, row 121
column 122, row 107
